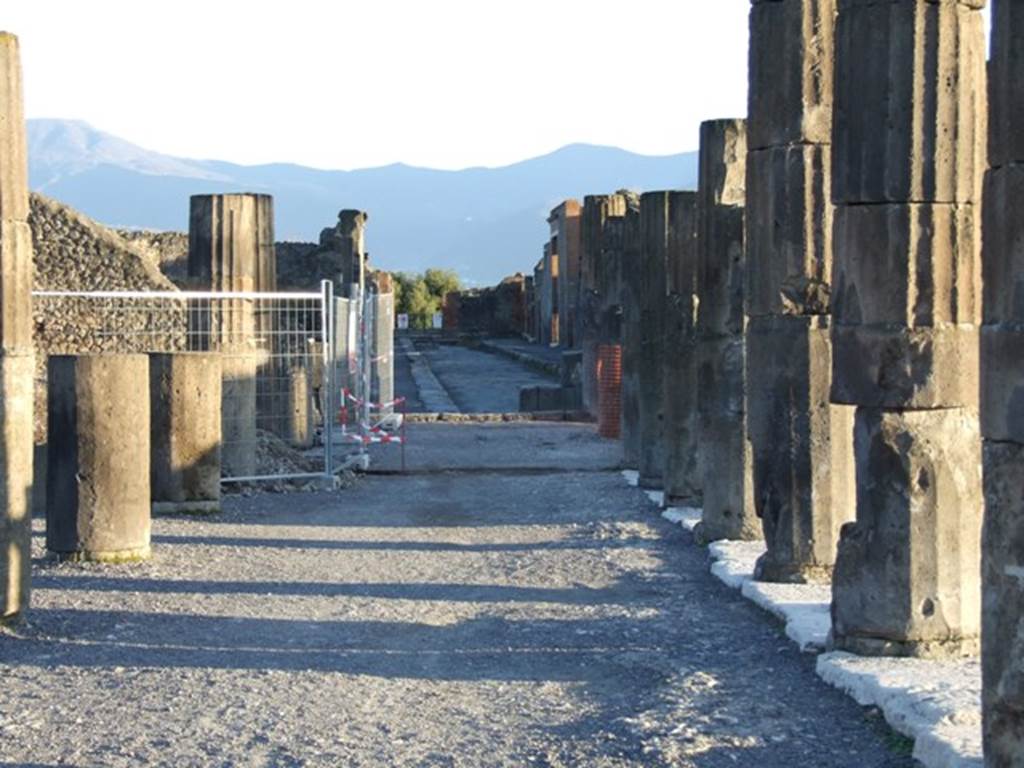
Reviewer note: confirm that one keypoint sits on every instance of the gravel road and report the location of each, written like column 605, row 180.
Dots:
column 467, row 617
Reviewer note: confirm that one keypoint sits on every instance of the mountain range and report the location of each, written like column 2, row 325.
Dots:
column 485, row 223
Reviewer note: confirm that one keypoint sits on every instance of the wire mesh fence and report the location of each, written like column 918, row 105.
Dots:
column 277, row 354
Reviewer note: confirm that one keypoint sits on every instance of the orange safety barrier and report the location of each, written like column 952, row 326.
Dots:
column 609, row 390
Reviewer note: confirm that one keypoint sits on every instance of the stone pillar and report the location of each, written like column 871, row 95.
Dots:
column 682, row 475
column 225, row 254
column 17, row 363
column 599, row 303
column 908, row 158
column 185, row 433
column 654, row 268
column 97, row 483
column 350, row 240
column 803, row 445
column 726, row 455
column 300, row 427
column 1002, row 410
column 632, row 334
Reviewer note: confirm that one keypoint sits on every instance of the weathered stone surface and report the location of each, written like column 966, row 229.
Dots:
column 682, row 479
column 907, row 575
column 789, row 231
column 657, row 265
column 632, row 334
column 382, row 373
column 720, row 256
column 564, row 223
column 301, row 426
column 238, row 412
column 891, row 367
column 804, row 484
column 13, row 146
column 1003, row 256
column 185, row 433
column 682, row 475
column 910, row 101
column 1002, row 382
column 98, row 481
column 16, row 459
column 231, row 242
column 726, row 453
column 907, row 265
column 1002, row 631
column 1006, row 84
column 722, row 163
column 791, row 54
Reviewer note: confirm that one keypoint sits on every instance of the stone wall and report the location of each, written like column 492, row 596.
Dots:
column 168, row 251
column 496, row 311
column 74, row 253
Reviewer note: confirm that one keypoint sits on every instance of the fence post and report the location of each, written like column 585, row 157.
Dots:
column 329, row 356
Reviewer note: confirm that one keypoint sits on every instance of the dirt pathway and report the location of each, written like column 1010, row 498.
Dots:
column 472, row 617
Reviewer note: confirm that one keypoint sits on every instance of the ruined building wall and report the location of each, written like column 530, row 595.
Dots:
column 74, row 253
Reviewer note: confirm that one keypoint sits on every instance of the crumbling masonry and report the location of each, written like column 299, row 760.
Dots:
column 908, row 158
column 803, row 453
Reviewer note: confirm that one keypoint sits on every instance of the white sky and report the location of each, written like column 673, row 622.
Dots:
column 343, row 84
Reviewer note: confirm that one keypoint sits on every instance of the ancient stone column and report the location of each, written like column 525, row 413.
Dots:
column 1002, row 409
column 654, row 268
column 17, row 363
column 599, row 304
column 185, row 433
column 726, row 455
column 564, row 223
column 350, row 241
column 632, row 333
column 97, row 482
column 803, row 445
column 226, row 255
column 908, row 159
column 682, row 475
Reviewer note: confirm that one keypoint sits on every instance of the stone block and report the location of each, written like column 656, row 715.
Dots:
column 721, row 272
column 98, row 454
column 788, row 231
column 1002, row 382
column 1003, row 249
column 15, row 287
column 910, row 102
column 231, row 242
column 907, row 265
column 13, row 146
column 238, row 413
column 722, row 171
column 682, row 478
column 1006, row 84
column 791, row 60
column 16, row 426
column 185, row 433
column 632, row 334
column 682, row 243
column 1002, row 631
column 907, row 577
column 887, row 367
column 726, row 453
column 804, row 484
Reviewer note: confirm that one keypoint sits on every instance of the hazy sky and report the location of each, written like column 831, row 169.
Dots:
column 445, row 83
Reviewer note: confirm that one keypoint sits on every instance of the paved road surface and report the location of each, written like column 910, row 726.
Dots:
column 479, row 616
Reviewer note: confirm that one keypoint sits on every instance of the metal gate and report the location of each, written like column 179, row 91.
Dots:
column 279, row 356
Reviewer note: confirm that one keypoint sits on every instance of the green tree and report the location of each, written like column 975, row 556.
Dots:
column 421, row 295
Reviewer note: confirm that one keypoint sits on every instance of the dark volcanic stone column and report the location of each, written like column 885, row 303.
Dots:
column 97, row 480
column 654, row 267
column 682, row 480
column 803, row 445
column 726, row 455
column 908, row 159
column 1002, row 406
column 632, row 283
column 17, row 365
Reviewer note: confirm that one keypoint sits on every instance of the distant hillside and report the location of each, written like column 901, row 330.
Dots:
column 483, row 222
